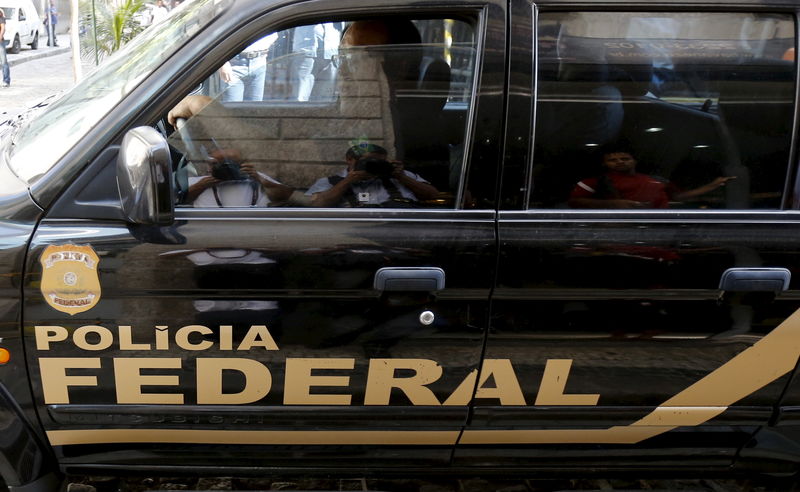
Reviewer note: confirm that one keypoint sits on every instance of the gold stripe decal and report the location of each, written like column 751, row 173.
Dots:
column 764, row 362
column 264, row 437
column 767, row 360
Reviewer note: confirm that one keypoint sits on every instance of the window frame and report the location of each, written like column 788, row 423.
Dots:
column 476, row 14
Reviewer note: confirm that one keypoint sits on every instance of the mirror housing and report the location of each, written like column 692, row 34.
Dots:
column 144, row 178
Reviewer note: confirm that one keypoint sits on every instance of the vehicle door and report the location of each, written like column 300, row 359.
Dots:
column 27, row 24
column 257, row 329
column 643, row 315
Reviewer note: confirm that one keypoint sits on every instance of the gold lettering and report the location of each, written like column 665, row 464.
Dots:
column 129, row 380
column 257, row 377
column 299, row 380
column 56, row 382
column 126, row 340
column 47, row 334
column 381, row 379
column 463, row 394
column 182, row 337
column 506, row 388
column 162, row 337
column 258, row 336
column 554, row 382
column 106, row 337
column 226, row 337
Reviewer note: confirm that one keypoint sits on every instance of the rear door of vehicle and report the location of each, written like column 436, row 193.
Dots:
column 618, row 339
column 263, row 337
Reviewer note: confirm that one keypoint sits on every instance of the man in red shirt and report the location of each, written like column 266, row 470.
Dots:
column 622, row 187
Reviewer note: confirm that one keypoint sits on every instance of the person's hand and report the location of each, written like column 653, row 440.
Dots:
column 201, row 185
column 276, row 192
column 188, row 107
column 359, row 175
column 721, row 181
column 250, row 169
column 398, row 168
column 226, row 73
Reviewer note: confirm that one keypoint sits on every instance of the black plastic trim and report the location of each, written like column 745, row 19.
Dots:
column 23, row 458
column 90, row 196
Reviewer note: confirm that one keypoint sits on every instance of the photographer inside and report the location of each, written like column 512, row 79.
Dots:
column 370, row 181
column 233, row 183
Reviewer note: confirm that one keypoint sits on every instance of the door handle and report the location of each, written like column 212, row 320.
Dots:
column 409, row 279
column 755, row 279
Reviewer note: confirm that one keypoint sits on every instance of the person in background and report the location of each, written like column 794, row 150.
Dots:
column 370, row 180
column 3, row 58
column 358, row 34
column 245, row 73
column 159, row 11
column 50, row 20
column 232, row 182
column 620, row 186
column 311, row 70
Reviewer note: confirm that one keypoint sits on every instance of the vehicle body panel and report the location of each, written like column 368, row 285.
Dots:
column 236, row 341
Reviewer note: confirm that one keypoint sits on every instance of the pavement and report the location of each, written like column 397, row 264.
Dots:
column 27, row 54
column 36, row 75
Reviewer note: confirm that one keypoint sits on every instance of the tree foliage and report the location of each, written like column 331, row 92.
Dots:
column 108, row 26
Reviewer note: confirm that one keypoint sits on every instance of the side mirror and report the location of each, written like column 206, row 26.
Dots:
column 144, row 168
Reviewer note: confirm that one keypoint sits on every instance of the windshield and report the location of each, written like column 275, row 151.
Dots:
column 45, row 139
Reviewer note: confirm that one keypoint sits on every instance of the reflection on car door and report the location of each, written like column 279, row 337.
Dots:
column 630, row 345
column 263, row 336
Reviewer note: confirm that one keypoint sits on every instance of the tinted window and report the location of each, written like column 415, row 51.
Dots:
column 658, row 110
column 304, row 108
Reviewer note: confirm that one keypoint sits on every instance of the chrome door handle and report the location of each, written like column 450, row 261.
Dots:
column 755, row 279
column 409, row 279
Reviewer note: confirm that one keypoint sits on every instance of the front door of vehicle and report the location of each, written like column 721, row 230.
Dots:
column 267, row 326
column 659, row 163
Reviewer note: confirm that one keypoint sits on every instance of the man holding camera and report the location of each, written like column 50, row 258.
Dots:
column 233, row 183
column 370, row 181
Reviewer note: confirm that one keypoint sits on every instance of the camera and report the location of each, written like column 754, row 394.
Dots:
column 380, row 168
column 227, row 171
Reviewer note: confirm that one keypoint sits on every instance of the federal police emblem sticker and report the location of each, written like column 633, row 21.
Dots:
column 70, row 283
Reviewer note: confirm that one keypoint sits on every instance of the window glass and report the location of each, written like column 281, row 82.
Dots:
column 663, row 110
column 70, row 116
column 369, row 113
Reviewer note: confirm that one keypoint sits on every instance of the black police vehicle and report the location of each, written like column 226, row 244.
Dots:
column 580, row 252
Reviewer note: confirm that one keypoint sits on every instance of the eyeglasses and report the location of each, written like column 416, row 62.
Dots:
column 347, row 54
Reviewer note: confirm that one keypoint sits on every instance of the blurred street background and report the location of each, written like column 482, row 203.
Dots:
column 37, row 74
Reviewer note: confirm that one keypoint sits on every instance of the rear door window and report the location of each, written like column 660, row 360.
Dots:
column 699, row 105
